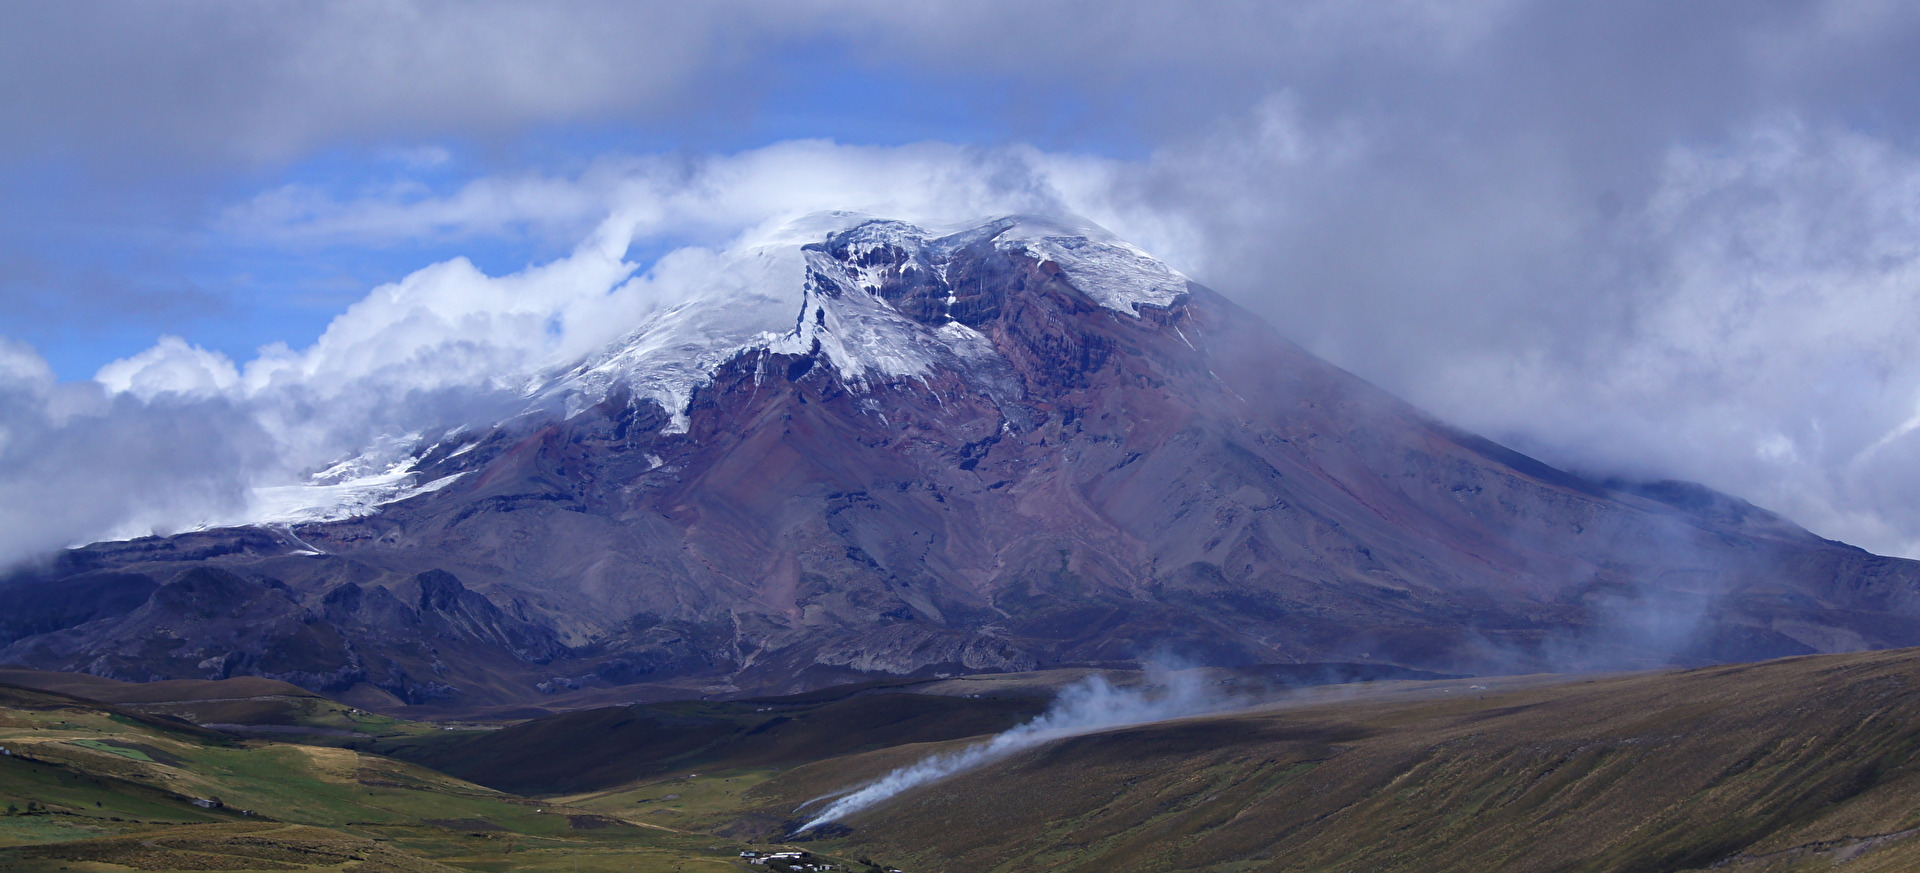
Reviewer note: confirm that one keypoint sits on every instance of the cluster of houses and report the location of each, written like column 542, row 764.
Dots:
column 799, row 861
column 790, row 860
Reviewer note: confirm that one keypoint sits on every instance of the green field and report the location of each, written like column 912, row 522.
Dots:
column 1797, row 765
column 91, row 787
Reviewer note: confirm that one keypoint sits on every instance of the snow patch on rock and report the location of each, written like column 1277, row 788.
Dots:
column 352, row 488
column 1115, row 273
column 786, row 294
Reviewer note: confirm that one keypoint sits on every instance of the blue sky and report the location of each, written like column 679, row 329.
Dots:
column 117, row 257
column 1635, row 238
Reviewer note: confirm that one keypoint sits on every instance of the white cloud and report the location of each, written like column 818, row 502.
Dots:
column 1661, row 239
column 170, row 366
column 77, row 463
column 268, row 83
column 1767, row 342
column 23, row 370
column 678, row 197
column 1749, row 322
column 178, row 436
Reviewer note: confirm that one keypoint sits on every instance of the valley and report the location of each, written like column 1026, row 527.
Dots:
column 866, row 436
column 1795, row 764
column 91, row 786
column 1015, row 551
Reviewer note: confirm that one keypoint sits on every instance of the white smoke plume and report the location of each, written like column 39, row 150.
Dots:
column 1088, row 706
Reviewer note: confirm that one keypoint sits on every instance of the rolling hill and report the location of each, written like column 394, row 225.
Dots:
column 1797, row 764
column 89, row 786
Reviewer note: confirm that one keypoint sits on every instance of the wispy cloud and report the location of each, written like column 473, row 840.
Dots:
column 1651, row 238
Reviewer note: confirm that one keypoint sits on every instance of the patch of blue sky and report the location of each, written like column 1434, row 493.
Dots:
column 167, row 247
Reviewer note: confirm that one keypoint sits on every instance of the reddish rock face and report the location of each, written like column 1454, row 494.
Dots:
column 1109, row 484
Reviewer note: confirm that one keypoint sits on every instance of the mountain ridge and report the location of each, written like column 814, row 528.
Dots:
column 961, row 459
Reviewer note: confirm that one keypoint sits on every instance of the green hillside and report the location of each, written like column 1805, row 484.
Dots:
column 1796, row 765
column 1799, row 764
column 608, row 748
column 89, row 786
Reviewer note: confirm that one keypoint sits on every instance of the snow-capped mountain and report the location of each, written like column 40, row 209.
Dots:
column 873, row 301
column 871, row 448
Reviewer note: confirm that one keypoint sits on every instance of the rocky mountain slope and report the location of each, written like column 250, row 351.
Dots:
column 1014, row 445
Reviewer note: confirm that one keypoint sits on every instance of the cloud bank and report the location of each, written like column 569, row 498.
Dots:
column 1640, row 238
column 222, row 441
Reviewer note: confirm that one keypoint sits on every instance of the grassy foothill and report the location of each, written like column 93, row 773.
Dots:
column 1803, row 764
column 86, row 786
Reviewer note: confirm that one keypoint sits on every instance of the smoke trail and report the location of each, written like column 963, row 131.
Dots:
column 1084, row 707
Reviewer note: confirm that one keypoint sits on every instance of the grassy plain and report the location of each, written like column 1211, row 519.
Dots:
column 94, row 787
column 1804, row 764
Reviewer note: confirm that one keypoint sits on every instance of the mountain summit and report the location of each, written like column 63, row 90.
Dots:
column 883, row 450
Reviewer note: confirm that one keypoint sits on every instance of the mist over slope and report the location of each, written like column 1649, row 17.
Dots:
column 1004, row 445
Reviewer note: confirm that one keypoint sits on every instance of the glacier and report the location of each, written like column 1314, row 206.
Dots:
column 781, row 293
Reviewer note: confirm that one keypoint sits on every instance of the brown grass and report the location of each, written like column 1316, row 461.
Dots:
column 225, row 847
column 1784, row 765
